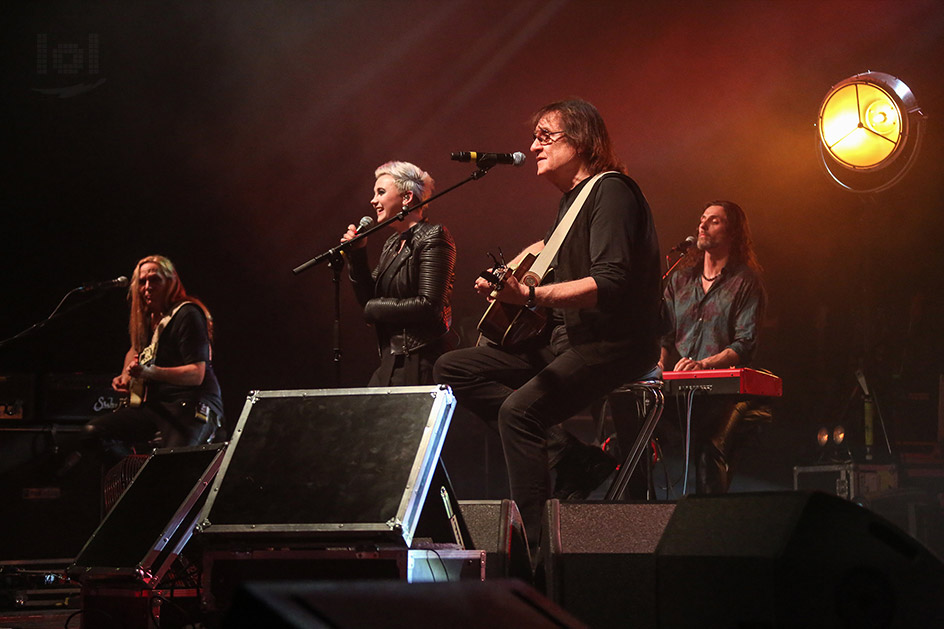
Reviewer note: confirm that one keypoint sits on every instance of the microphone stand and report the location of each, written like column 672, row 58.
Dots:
column 672, row 268
column 335, row 259
column 56, row 313
column 337, row 263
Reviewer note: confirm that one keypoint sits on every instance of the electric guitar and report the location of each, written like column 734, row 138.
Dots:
column 509, row 324
column 137, row 387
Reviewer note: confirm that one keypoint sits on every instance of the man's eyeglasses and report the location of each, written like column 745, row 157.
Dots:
column 545, row 137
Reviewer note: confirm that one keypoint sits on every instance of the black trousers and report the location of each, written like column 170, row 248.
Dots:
column 527, row 392
column 126, row 431
column 398, row 370
column 720, row 430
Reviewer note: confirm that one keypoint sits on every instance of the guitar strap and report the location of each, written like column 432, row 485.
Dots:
column 543, row 261
column 151, row 350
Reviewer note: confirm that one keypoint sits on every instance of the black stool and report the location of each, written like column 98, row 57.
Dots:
column 650, row 391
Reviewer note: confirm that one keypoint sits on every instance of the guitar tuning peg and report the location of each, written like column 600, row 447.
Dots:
column 502, row 256
column 495, row 262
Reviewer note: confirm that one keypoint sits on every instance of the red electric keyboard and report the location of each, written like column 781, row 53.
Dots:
column 744, row 381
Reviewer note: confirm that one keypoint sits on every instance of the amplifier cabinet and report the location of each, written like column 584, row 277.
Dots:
column 17, row 399
column 846, row 480
column 77, row 397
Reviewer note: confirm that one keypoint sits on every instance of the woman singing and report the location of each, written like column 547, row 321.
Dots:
column 406, row 296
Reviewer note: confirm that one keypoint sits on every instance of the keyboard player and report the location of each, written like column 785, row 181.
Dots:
column 716, row 302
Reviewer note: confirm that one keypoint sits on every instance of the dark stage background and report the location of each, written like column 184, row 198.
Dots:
column 240, row 138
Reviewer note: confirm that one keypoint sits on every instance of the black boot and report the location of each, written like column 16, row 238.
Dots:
column 712, row 474
column 582, row 470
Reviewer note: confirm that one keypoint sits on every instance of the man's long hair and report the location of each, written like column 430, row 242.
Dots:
column 742, row 245
column 584, row 128
column 140, row 323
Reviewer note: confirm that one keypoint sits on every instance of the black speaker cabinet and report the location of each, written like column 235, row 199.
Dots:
column 599, row 560
column 45, row 515
column 357, row 604
column 495, row 526
column 792, row 559
column 310, row 468
column 152, row 521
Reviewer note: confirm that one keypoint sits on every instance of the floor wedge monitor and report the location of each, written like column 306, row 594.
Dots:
column 311, row 467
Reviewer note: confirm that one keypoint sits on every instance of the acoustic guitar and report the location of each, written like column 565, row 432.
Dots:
column 509, row 324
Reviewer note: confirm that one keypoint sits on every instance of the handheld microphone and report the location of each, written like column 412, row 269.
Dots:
column 684, row 246
column 515, row 159
column 118, row 282
column 366, row 223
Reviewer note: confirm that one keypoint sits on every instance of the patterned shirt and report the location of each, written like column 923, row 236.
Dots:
column 727, row 316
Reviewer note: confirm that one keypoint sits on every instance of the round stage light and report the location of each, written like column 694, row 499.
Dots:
column 822, row 437
column 839, row 435
column 870, row 129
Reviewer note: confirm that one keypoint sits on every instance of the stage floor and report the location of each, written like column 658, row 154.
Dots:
column 39, row 619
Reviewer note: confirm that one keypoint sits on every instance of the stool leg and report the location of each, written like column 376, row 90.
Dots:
column 618, row 487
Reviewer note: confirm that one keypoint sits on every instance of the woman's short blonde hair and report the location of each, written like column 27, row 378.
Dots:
column 408, row 178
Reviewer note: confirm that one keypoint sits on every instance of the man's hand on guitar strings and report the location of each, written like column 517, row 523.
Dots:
column 484, row 287
column 120, row 383
column 136, row 369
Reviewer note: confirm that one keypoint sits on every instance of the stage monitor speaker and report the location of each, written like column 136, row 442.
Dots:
column 355, row 604
column 599, row 560
column 309, row 468
column 792, row 559
column 152, row 521
column 495, row 526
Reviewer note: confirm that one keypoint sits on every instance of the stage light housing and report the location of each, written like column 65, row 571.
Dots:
column 836, row 435
column 839, row 435
column 870, row 129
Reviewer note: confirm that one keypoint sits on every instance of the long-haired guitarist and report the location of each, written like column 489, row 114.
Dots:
column 168, row 373
column 602, row 303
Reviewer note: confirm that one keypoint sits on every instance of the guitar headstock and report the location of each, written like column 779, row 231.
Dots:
column 495, row 276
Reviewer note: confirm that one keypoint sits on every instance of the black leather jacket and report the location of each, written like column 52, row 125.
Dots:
column 406, row 297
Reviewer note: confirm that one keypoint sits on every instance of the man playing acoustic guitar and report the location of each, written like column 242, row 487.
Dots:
column 602, row 305
column 168, row 371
